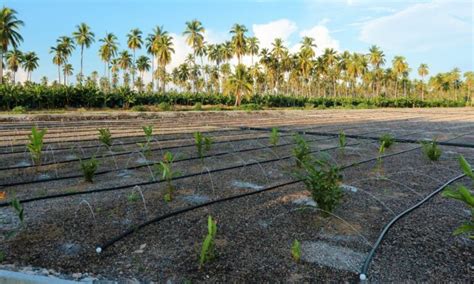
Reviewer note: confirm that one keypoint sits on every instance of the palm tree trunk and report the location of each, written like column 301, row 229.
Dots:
column 82, row 60
column 59, row 73
column 1, row 66
column 153, row 71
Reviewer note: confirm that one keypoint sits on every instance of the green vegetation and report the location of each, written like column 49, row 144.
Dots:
column 19, row 210
column 301, row 151
column 274, row 137
column 19, row 110
column 145, row 148
column 203, row 144
column 342, row 140
column 89, row 167
column 208, row 252
column 133, row 197
column 165, row 169
column 36, row 145
column 386, row 140
column 296, row 250
column 431, row 150
column 105, row 137
column 465, row 195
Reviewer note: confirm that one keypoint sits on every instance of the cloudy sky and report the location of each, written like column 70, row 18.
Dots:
column 437, row 32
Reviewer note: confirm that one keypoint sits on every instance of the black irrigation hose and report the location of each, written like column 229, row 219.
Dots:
column 368, row 259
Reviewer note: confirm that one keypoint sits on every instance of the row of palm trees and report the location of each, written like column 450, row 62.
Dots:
column 272, row 70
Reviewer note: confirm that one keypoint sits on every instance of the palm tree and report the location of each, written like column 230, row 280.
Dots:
column 14, row 60
column 253, row 48
column 68, row 46
column 194, row 35
column 239, row 41
column 399, row 67
column 58, row 58
column 164, row 51
column 376, row 59
column 134, row 42
column 143, row 64
column 30, row 63
column 124, row 62
column 67, row 71
column 84, row 37
column 239, row 83
column 151, row 46
column 9, row 35
column 423, row 71
column 108, row 50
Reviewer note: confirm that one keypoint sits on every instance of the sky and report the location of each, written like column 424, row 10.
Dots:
column 437, row 32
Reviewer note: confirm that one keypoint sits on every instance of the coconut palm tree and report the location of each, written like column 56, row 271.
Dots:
column 151, row 47
column 164, row 51
column 83, row 37
column 67, row 71
column 68, row 46
column 143, row 64
column 14, row 60
column 107, row 51
column 399, row 67
column 239, row 41
column 124, row 62
column 253, row 48
column 134, row 42
column 239, row 83
column 194, row 33
column 59, row 58
column 29, row 63
column 376, row 59
column 9, row 33
column 423, row 71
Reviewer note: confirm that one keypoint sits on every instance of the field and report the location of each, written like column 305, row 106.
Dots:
column 246, row 184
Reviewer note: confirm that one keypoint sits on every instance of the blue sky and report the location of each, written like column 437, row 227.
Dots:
column 437, row 32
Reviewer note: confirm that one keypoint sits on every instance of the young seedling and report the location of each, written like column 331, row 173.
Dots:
column 203, row 144
column 431, row 150
column 296, row 250
column 105, row 137
column 378, row 165
column 133, row 197
column 301, row 151
column 342, row 141
column 89, row 167
column 208, row 252
column 322, row 180
column 19, row 210
column 165, row 169
column 387, row 140
column 145, row 147
column 36, row 144
column 274, row 137
column 465, row 195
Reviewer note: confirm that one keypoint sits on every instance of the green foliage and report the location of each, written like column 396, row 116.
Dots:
column 89, row 167
column 322, row 179
column 301, row 151
column 19, row 110
column 19, row 210
column 465, row 195
column 133, row 197
column 164, row 106
column 36, row 144
column 139, row 108
column 342, row 140
column 105, row 137
column 208, row 252
column 167, row 173
column 274, row 136
column 296, row 250
column 250, row 107
column 145, row 148
column 387, row 140
column 2, row 256
column 197, row 106
column 431, row 150
column 203, row 144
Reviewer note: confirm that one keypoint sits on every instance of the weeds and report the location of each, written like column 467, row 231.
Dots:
column 274, row 137
column 89, row 167
column 165, row 169
column 36, row 145
column 387, row 140
column 296, row 250
column 431, row 150
column 464, row 194
column 19, row 210
column 203, row 144
column 105, row 137
column 301, row 151
column 208, row 245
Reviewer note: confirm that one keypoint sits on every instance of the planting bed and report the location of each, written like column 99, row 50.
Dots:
column 247, row 186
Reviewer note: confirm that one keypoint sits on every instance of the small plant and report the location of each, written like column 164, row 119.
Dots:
column 203, row 144
column 2, row 256
column 19, row 110
column 105, row 137
column 301, row 151
column 164, row 106
column 296, row 250
column 133, row 197
column 36, row 145
column 145, row 148
column 464, row 194
column 342, row 140
column 89, row 167
column 431, row 150
column 197, row 106
column 139, row 108
column 165, row 169
column 387, row 140
column 19, row 210
column 274, row 137
column 322, row 179
column 208, row 245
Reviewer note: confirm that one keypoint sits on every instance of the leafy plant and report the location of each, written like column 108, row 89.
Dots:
column 145, row 147
column 301, row 151
column 36, row 144
column 387, row 140
column 208, row 245
column 431, row 150
column 322, row 179
column 197, row 106
column 464, row 194
column 165, row 169
column 89, row 167
column 105, row 136
column 342, row 140
column 19, row 210
column 296, row 250
column 19, row 110
column 274, row 136
column 133, row 197
column 203, row 144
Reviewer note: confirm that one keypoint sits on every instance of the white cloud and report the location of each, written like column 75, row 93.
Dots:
column 421, row 27
column 268, row 32
column 322, row 38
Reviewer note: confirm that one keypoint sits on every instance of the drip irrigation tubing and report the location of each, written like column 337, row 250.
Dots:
column 363, row 272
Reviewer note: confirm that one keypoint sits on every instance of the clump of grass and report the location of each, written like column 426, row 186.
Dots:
column 36, row 145
column 431, row 150
column 274, row 137
column 387, row 140
column 301, row 151
column 203, row 144
column 105, row 137
column 19, row 210
column 89, row 167
column 296, row 250
column 165, row 169
column 465, row 195
column 208, row 252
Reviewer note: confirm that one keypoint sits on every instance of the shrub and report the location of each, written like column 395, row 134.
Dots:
column 431, row 150
column 105, row 136
column 387, row 140
column 36, row 145
column 208, row 245
column 89, row 167
column 301, row 151
column 19, row 110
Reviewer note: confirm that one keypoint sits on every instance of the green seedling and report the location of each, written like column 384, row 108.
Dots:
column 431, row 150
column 274, row 137
column 133, row 197
column 166, row 171
column 342, row 140
column 465, row 195
column 322, row 180
column 105, row 137
column 36, row 144
column 296, row 250
column 378, row 165
column 387, row 140
column 89, row 167
column 208, row 252
column 19, row 210
column 301, row 152
column 145, row 148
column 203, row 144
